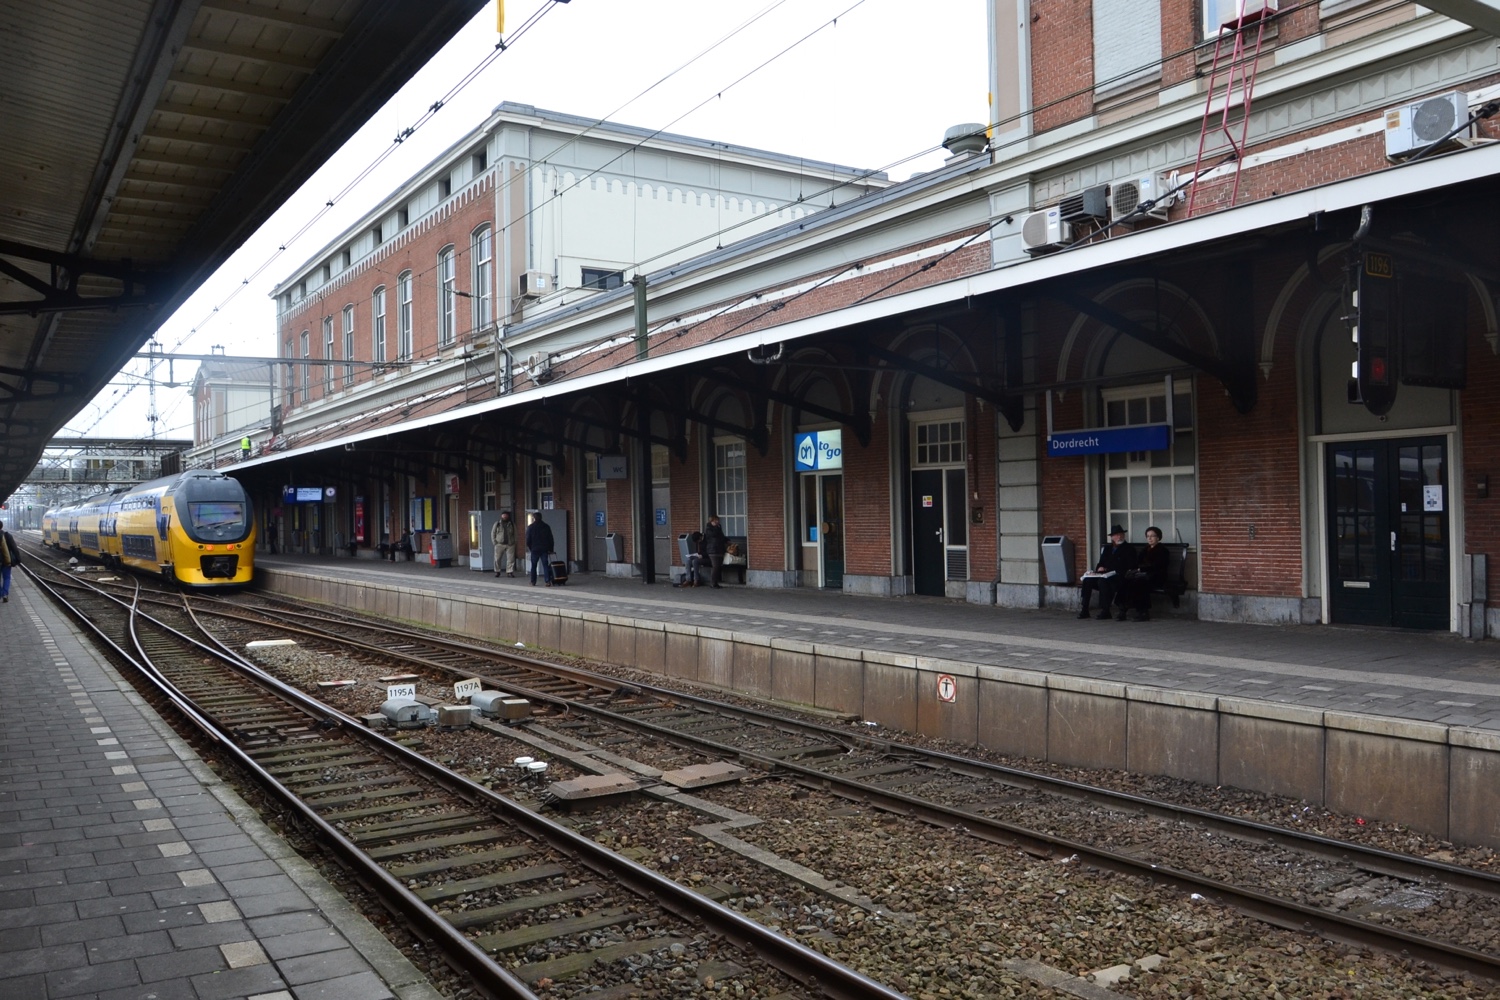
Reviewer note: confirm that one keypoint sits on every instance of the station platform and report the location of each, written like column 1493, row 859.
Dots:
column 129, row 870
column 1401, row 674
column 1389, row 724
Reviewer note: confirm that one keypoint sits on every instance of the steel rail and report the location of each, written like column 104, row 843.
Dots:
column 1262, row 906
column 798, row 961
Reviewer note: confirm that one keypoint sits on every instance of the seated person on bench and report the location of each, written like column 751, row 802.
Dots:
column 1115, row 560
column 1150, row 573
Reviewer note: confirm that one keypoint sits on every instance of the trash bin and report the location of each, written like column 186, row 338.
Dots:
column 614, row 550
column 442, row 549
column 1057, row 559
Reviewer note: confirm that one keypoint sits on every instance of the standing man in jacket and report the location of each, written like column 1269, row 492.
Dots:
column 503, row 537
column 539, row 544
column 10, row 555
column 714, row 544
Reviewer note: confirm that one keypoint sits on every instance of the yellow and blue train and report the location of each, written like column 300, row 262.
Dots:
column 196, row 529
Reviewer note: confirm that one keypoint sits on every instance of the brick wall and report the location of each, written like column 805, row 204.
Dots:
column 1481, row 447
column 765, row 499
column 1062, row 61
column 868, row 502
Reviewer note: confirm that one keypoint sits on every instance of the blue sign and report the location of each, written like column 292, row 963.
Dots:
column 661, row 515
column 819, row 450
column 1109, row 440
column 598, row 518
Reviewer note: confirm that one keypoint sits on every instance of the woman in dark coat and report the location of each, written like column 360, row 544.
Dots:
column 714, row 545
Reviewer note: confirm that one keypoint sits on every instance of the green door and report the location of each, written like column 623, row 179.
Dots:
column 1388, row 504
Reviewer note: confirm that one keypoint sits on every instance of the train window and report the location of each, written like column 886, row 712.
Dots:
column 217, row 518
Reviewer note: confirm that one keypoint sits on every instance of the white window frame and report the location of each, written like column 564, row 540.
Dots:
column 349, row 344
column 377, row 324
column 731, row 485
column 403, row 316
column 306, row 340
column 546, row 497
column 447, row 297
column 484, row 301
column 327, row 354
column 1132, row 481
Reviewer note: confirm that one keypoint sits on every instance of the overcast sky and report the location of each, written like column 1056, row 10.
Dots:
column 863, row 83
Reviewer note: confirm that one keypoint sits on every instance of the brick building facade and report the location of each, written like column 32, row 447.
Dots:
column 954, row 331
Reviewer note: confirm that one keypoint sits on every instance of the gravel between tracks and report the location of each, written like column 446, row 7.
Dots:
column 955, row 917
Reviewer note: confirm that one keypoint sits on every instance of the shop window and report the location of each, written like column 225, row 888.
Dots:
column 1153, row 487
column 730, row 495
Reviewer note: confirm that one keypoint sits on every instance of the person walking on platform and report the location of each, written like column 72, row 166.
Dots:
column 503, row 537
column 714, row 546
column 10, row 555
column 539, row 544
column 1115, row 560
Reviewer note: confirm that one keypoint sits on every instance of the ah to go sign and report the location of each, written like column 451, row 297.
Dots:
column 819, row 450
column 1109, row 440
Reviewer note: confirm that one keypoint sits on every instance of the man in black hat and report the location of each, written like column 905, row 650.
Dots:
column 1115, row 560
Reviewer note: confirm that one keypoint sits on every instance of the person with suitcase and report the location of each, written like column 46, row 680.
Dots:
column 539, row 544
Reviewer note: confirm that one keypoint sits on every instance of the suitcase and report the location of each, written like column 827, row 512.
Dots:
column 559, row 572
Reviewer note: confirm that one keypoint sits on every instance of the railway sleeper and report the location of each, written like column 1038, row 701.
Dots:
column 345, row 815
column 432, row 866
column 523, row 937
column 464, row 919
column 494, row 880
column 571, row 965
column 382, row 832
column 481, row 836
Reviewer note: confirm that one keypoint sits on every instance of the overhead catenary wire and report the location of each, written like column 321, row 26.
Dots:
column 1031, row 110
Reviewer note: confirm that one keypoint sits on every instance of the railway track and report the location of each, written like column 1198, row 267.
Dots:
column 1292, row 879
column 542, row 905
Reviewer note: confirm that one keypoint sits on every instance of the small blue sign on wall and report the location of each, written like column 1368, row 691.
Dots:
column 1109, row 440
column 598, row 518
column 661, row 515
column 819, row 450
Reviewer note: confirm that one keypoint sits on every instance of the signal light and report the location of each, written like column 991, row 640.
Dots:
column 1372, row 328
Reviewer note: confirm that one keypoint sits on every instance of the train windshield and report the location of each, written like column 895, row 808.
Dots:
column 213, row 519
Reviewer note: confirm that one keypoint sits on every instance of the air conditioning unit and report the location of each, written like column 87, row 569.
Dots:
column 533, row 284
column 1127, row 195
column 1045, row 231
column 540, row 367
column 1411, row 128
column 1090, row 203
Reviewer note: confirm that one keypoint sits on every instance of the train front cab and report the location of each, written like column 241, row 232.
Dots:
column 211, row 532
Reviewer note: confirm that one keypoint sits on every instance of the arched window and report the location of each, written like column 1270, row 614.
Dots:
column 484, row 299
column 327, row 354
column 447, row 298
column 377, row 325
column 349, row 344
column 403, row 316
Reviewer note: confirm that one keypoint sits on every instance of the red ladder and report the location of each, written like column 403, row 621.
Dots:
column 1236, row 56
